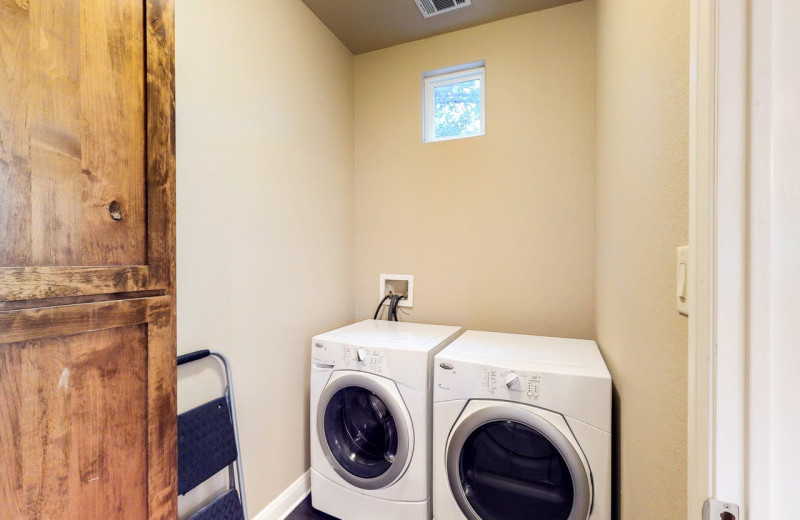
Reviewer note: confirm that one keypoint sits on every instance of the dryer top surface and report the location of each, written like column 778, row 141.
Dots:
column 533, row 353
column 398, row 335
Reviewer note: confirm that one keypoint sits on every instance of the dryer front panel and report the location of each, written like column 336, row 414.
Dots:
column 364, row 430
column 506, row 462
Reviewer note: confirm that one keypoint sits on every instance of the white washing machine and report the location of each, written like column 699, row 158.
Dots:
column 371, row 419
column 522, row 429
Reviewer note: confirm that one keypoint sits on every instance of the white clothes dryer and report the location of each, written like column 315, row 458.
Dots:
column 370, row 421
column 522, row 429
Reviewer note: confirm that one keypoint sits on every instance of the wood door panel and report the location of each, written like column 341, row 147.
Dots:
column 113, row 117
column 160, row 46
column 34, row 283
column 73, row 410
column 87, row 411
column 15, row 181
column 44, row 322
column 54, row 127
column 87, row 260
column 72, row 133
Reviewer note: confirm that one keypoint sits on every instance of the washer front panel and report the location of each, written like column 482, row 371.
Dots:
column 506, row 460
column 360, row 421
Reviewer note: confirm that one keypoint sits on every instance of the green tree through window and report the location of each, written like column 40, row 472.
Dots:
column 457, row 109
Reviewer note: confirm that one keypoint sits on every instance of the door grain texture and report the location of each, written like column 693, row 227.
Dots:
column 83, row 418
column 87, row 260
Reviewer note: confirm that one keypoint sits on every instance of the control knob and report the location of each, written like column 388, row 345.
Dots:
column 512, row 381
column 362, row 355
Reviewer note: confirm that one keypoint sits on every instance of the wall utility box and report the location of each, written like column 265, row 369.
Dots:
column 402, row 284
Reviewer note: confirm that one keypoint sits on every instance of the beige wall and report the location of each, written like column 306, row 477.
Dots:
column 641, row 215
column 497, row 229
column 265, row 201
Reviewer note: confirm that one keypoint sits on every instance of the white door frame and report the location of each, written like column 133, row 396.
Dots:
column 702, row 211
column 717, row 278
column 744, row 283
column 717, row 238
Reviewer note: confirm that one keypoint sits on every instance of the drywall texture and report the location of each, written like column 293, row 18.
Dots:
column 496, row 229
column 265, row 201
column 641, row 210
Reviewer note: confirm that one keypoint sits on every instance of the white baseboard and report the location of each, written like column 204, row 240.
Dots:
column 280, row 508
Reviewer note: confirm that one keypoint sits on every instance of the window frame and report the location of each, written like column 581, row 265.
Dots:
column 442, row 78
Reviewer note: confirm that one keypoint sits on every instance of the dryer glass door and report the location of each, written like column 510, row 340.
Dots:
column 361, row 432
column 505, row 463
column 509, row 470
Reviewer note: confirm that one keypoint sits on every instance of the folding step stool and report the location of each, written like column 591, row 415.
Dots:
column 208, row 442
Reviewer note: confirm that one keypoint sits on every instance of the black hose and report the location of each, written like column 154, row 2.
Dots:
column 378, row 310
column 393, row 308
column 396, row 305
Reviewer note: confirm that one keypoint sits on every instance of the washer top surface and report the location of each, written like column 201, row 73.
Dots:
column 400, row 335
column 533, row 353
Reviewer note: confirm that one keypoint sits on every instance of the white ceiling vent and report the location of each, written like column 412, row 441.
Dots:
column 433, row 7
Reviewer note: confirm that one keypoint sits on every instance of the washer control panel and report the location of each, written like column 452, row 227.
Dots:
column 512, row 384
column 362, row 358
column 332, row 355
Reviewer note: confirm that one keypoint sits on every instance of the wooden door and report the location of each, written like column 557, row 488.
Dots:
column 87, row 260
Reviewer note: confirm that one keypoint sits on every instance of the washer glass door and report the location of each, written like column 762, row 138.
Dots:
column 361, row 432
column 364, row 429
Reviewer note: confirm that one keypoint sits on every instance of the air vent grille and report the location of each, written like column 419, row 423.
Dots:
column 430, row 8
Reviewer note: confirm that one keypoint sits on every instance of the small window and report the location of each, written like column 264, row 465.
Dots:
column 454, row 103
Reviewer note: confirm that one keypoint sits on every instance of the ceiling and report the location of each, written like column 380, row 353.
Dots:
column 367, row 25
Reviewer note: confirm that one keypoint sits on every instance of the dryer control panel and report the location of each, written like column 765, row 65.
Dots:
column 454, row 380
column 564, row 393
column 511, row 384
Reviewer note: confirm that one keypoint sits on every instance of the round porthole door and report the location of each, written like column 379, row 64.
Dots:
column 509, row 462
column 365, row 430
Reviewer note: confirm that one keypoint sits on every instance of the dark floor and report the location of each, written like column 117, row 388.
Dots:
column 304, row 511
